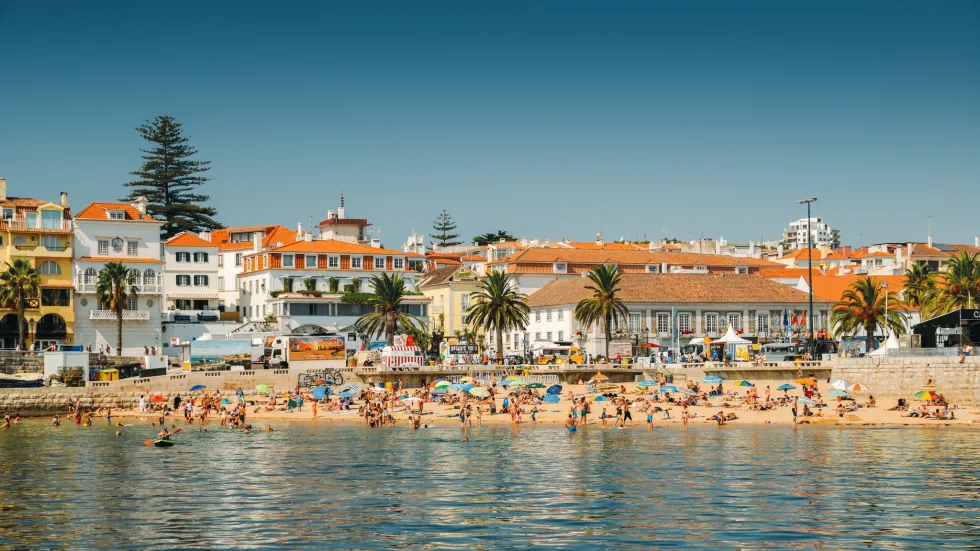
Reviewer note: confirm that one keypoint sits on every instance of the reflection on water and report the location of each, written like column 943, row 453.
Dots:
column 332, row 487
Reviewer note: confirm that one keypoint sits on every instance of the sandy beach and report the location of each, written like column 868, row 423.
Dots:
column 556, row 414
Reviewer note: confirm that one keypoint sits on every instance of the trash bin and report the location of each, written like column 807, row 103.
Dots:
column 670, row 378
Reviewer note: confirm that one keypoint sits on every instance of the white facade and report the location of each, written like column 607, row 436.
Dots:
column 114, row 232
column 821, row 234
column 191, row 278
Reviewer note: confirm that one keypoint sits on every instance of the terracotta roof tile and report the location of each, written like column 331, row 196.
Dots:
column 188, row 239
column 783, row 273
column 802, row 254
column 333, row 246
column 832, row 287
column 100, row 211
column 676, row 288
column 638, row 258
column 22, row 202
column 236, row 246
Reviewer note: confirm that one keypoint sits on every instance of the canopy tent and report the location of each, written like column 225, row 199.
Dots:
column 731, row 338
column 961, row 325
column 890, row 344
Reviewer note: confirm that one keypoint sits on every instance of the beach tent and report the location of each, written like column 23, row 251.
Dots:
column 890, row 344
column 731, row 338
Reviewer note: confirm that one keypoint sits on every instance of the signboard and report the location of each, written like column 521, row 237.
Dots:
column 316, row 348
column 175, row 341
column 622, row 348
column 211, row 354
column 456, row 349
column 377, row 345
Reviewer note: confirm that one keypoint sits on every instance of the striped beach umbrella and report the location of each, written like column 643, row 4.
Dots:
column 350, row 387
column 647, row 383
column 713, row 379
column 744, row 383
column 858, row 387
column 926, row 396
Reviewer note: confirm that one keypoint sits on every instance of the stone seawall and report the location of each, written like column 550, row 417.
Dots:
column 960, row 383
column 32, row 402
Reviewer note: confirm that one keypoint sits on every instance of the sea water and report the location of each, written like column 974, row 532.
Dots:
column 330, row 486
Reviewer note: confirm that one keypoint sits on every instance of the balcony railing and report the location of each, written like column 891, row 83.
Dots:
column 149, row 289
column 37, row 225
column 25, row 247
column 127, row 315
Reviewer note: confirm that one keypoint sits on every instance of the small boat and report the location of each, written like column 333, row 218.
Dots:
column 163, row 442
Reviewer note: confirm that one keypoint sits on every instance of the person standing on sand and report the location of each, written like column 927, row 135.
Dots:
column 685, row 415
column 314, row 408
column 795, row 398
column 479, row 416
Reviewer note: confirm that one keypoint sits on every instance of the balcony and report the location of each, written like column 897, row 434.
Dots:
column 127, row 315
column 37, row 225
column 82, row 286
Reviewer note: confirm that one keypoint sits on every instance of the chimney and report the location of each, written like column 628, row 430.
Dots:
column 663, row 267
column 598, row 240
column 308, row 237
column 256, row 242
column 140, row 204
column 206, row 235
column 898, row 256
column 340, row 209
column 976, row 241
column 64, row 199
column 908, row 248
column 779, row 251
column 299, row 231
column 3, row 189
column 930, row 241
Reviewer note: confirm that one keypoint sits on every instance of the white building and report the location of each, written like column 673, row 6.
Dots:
column 302, row 283
column 821, row 234
column 118, row 232
column 671, row 310
column 191, row 277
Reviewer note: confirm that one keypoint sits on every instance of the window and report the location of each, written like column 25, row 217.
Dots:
column 549, row 336
column 221, row 261
column 55, row 297
column 399, row 263
column 683, row 322
column 653, row 268
column 201, row 258
column 117, row 215
column 221, row 282
column 561, row 267
column 711, row 323
column 90, row 276
column 741, row 270
column 8, row 214
column 310, row 261
column 238, row 259
column 735, row 321
column 333, row 262
column 183, row 257
column 30, row 219
column 200, row 281
column 183, row 280
column 635, row 322
column 131, row 304
column 537, row 315
column 103, row 247
column 517, row 338
column 149, row 277
column 379, row 263
column 52, row 243
column 49, row 268
column 134, row 277
column 355, row 262
column 561, row 315
column 537, row 336
column 762, row 323
column 51, row 219
column 547, row 315
column 663, row 322
column 561, row 335
column 507, row 339
column 287, row 261
column 465, row 299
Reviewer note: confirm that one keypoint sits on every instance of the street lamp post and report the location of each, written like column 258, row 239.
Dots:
column 884, row 285
column 809, row 256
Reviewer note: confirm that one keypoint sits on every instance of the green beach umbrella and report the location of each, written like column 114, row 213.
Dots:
column 744, row 383
column 262, row 388
column 535, row 385
column 479, row 392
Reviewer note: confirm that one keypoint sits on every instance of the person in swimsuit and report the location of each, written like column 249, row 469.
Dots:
column 570, row 423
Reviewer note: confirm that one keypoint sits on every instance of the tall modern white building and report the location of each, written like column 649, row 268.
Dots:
column 794, row 237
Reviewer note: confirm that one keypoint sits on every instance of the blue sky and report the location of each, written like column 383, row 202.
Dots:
column 548, row 119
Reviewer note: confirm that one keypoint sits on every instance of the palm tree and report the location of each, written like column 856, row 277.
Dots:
column 498, row 306
column 19, row 285
column 114, row 289
column 604, row 306
column 862, row 307
column 959, row 286
column 920, row 283
column 387, row 299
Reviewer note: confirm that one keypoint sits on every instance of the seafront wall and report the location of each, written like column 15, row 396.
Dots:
column 901, row 377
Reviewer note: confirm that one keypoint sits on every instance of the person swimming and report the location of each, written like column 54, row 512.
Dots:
column 268, row 429
column 56, row 421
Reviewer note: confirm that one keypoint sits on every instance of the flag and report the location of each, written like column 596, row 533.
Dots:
column 803, row 319
column 796, row 320
column 785, row 319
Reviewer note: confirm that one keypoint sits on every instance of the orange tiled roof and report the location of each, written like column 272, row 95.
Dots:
column 22, row 202
column 676, row 288
column 472, row 258
column 121, row 259
column 236, row 246
column 100, row 211
column 605, row 246
column 802, row 254
column 926, row 250
column 832, row 287
column 639, row 258
column 783, row 273
column 279, row 234
column 187, row 239
column 333, row 246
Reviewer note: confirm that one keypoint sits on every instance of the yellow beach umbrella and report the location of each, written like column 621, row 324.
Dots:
column 512, row 378
column 599, row 377
column 466, row 380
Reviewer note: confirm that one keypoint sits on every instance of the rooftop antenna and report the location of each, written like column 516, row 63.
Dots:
column 929, row 227
column 341, row 198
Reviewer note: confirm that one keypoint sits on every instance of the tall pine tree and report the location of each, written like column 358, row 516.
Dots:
column 444, row 227
column 169, row 176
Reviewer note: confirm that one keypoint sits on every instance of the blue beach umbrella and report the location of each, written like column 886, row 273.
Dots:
column 504, row 383
column 345, row 395
column 785, row 387
column 437, row 391
column 468, row 387
column 807, row 402
column 669, row 388
column 647, row 383
column 319, row 393
column 837, row 394
column 195, row 388
column 551, row 398
column 554, row 389
column 456, row 386
column 714, row 379
column 600, row 399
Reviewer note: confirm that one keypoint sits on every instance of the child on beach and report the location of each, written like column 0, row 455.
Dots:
column 534, row 415
column 604, row 416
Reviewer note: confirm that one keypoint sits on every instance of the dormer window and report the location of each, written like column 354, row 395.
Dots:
column 117, row 215
column 742, row 270
column 653, row 268
column 561, row 267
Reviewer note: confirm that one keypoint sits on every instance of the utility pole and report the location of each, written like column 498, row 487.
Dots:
column 809, row 255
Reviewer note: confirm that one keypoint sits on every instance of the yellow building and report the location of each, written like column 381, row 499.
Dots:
column 449, row 288
column 41, row 232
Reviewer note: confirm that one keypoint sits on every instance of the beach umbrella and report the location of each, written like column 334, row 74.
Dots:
column 600, row 398
column 158, row 399
column 786, row 387
column 505, row 382
column 807, row 402
column 456, row 386
column 378, row 389
column 930, row 388
column 554, row 389
column 466, row 380
column 518, row 382
column 713, row 379
column 195, row 388
column 837, row 394
column 669, row 388
column 468, row 386
column 345, row 394
column 350, row 387
column 599, row 377
column 744, row 383
column 443, row 384
column 319, row 393
column 479, row 392
column 650, row 345
column 437, row 391
column 535, row 385
column 687, row 391
column 225, row 402
column 858, row 387
column 262, row 388
column 926, row 396
column 512, row 378
column 647, row 383
column 412, row 400
column 806, row 381
column 839, row 384
column 551, row 398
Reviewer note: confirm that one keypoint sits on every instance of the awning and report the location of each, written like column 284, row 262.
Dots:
column 194, row 296
column 57, row 285
column 731, row 338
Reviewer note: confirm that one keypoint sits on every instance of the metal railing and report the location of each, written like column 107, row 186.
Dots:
column 39, row 225
column 152, row 289
column 127, row 315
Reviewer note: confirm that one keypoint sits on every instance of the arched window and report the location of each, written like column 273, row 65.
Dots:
column 149, row 277
column 90, row 276
column 134, row 277
column 49, row 268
